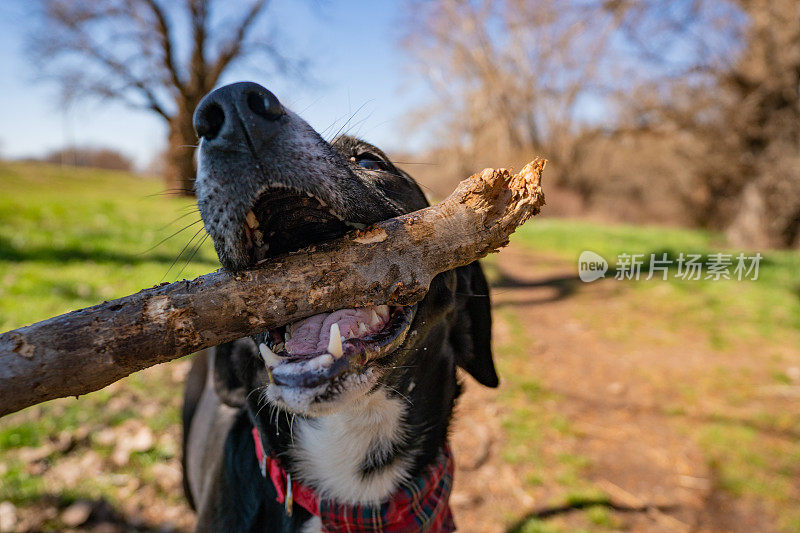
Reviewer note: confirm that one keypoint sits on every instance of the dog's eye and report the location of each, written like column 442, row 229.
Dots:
column 369, row 163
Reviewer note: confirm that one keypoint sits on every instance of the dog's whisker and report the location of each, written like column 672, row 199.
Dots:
column 169, row 192
column 309, row 106
column 406, row 398
column 332, row 125
column 196, row 248
column 185, row 246
column 255, row 390
column 351, row 117
column 162, row 241
column 262, row 402
column 174, row 220
column 359, row 123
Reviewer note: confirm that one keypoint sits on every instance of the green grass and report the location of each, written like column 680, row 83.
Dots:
column 70, row 238
column 17, row 485
column 729, row 311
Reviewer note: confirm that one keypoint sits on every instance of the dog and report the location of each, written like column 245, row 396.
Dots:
column 339, row 421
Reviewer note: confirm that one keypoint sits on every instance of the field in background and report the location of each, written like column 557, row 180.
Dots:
column 71, row 237
column 647, row 406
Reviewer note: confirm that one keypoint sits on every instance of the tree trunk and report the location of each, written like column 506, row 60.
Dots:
column 390, row 262
column 181, row 168
column 748, row 229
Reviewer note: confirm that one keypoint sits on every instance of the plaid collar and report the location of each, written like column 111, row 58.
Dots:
column 419, row 505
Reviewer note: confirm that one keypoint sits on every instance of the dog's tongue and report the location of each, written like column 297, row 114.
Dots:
column 311, row 335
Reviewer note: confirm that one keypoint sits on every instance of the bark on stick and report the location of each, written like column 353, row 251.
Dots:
column 391, row 262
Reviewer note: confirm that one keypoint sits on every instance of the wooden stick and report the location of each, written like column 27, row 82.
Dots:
column 390, row 262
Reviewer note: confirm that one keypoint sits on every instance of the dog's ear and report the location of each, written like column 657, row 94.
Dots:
column 471, row 336
column 234, row 367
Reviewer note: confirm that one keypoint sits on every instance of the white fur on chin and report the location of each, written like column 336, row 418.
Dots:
column 330, row 450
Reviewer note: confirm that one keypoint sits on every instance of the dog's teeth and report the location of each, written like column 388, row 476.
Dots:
column 374, row 319
column 251, row 219
column 383, row 310
column 362, row 329
column 287, row 335
column 335, row 341
column 269, row 356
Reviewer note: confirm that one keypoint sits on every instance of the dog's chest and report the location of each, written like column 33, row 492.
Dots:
column 353, row 456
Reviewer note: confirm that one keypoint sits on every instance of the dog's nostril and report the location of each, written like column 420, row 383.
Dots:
column 209, row 120
column 265, row 105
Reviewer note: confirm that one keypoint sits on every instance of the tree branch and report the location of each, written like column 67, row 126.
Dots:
column 198, row 67
column 94, row 51
column 233, row 47
column 390, row 262
column 164, row 33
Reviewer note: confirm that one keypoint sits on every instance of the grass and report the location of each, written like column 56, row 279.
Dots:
column 531, row 422
column 70, row 238
column 730, row 311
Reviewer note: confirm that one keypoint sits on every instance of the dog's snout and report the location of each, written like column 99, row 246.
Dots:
column 240, row 108
column 208, row 120
column 264, row 104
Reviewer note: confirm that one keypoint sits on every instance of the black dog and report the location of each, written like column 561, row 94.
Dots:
column 343, row 417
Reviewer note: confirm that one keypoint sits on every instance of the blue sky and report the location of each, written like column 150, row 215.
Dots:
column 355, row 63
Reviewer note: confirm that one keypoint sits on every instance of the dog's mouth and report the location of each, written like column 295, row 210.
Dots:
column 284, row 220
column 327, row 347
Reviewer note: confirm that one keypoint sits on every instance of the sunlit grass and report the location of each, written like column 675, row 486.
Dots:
column 729, row 311
column 70, row 238
column 530, row 423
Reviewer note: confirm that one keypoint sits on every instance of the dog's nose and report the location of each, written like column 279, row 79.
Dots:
column 246, row 107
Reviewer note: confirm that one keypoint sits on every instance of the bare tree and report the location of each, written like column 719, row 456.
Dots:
column 510, row 76
column 152, row 54
column 737, row 97
column 700, row 100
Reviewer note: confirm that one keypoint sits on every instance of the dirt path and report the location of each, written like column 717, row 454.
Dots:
column 618, row 397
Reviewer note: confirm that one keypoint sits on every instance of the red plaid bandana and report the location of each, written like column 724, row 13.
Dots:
column 420, row 505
